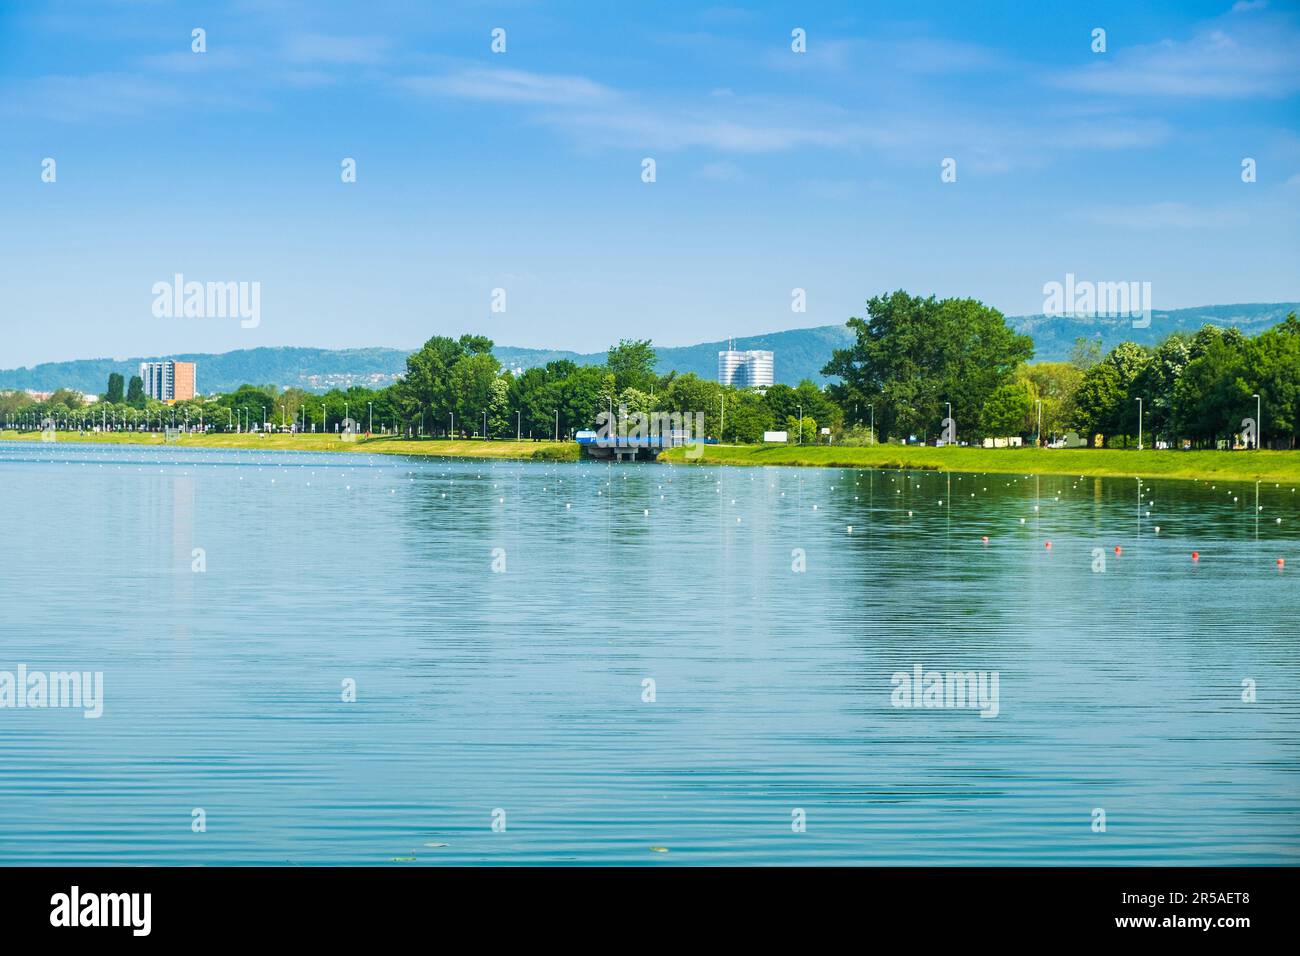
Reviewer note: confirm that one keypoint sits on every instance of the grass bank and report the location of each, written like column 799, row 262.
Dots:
column 380, row 444
column 1100, row 462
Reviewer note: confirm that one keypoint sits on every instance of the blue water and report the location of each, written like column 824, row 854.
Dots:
column 522, row 691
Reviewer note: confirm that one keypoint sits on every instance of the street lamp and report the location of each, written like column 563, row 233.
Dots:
column 1259, row 421
column 949, row 404
column 800, row 439
column 519, row 426
column 1139, row 401
column 1038, row 429
column 873, row 422
column 557, row 424
column 370, row 421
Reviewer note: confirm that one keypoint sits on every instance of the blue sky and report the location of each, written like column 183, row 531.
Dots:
column 522, row 170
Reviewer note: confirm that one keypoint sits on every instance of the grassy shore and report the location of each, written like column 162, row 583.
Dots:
column 1276, row 466
column 381, row 444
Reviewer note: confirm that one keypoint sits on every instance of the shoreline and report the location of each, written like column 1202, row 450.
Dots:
column 1245, row 466
column 375, row 445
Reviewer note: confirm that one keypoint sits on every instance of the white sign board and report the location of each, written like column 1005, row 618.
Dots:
column 776, row 436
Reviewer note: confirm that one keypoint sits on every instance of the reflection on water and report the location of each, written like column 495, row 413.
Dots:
column 227, row 597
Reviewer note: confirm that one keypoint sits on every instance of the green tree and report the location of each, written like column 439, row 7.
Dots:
column 917, row 353
column 1155, row 384
column 1006, row 410
column 1085, row 353
column 115, row 385
column 1274, row 356
column 135, row 392
column 633, row 364
column 1214, row 392
column 1055, row 384
column 426, row 388
column 1099, row 395
column 690, row 394
column 748, row 416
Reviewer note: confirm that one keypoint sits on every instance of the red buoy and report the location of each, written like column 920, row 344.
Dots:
column 1281, row 563
column 1048, row 545
column 985, row 539
column 1196, row 555
column 1118, row 549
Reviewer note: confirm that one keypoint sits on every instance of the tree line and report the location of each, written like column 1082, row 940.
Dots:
column 912, row 356
column 914, row 361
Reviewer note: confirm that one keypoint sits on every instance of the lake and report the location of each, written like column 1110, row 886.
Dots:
column 577, row 663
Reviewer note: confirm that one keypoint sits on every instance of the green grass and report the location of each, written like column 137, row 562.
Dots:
column 1100, row 462
column 378, row 444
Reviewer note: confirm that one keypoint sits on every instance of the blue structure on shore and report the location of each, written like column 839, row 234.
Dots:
column 630, row 448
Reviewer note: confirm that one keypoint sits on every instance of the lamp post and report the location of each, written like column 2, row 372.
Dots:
column 800, row 439
column 370, row 419
column 873, row 422
column 519, row 426
column 485, row 424
column 1038, row 429
column 1139, row 401
column 1259, row 421
column 557, row 424
column 949, row 404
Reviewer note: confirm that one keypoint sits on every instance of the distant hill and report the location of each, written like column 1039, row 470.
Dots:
column 1054, row 336
column 800, row 353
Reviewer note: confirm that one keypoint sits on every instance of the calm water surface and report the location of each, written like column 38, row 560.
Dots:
column 523, row 690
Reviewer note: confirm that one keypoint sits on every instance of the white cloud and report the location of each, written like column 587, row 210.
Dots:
column 89, row 97
column 722, row 172
column 1170, row 215
column 322, row 48
column 513, row 86
column 1231, row 60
